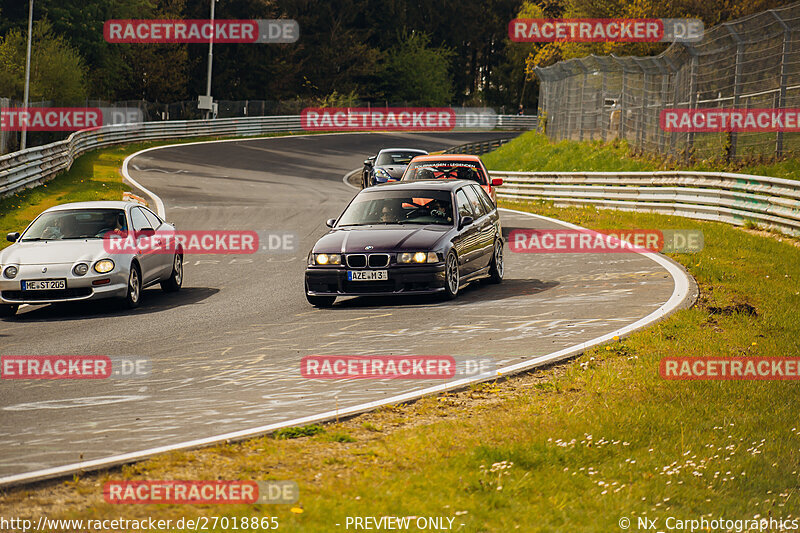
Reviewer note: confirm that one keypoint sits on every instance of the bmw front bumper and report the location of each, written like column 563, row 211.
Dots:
column 403, row 279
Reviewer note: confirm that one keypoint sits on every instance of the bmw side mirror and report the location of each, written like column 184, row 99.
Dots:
column 466, row 221
column 369, row 161
column 12, row 237
column 330, row 222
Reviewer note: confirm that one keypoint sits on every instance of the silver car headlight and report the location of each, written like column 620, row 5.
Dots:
column 418, row 257
column 382, row 173
column 103, row 266
column 325, row 259
column 10, row 272
column 80, row 269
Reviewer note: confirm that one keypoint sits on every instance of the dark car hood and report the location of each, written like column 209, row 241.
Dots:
column 381, row 238
column 395, row 171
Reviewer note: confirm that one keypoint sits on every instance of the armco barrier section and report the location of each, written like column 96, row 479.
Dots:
column 33, row 166
column 723, row 197
column 478, row 148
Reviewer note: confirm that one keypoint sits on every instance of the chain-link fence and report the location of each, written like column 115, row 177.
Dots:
column 749, row 63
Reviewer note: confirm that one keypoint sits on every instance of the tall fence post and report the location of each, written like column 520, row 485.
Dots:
column 622, row 95
column 3, row 133
column 784, row 79
column 693, row 97
column 583, row 89
column 603, row 107
column 661, row 134
column 642, row 107
column 737, row 86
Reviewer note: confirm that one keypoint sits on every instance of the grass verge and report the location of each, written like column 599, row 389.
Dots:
column 575, row 447
column 533, row 152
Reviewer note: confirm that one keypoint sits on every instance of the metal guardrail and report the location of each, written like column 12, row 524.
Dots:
column 517, row 122
column 723, row 197
column 34, row 166
column 478, row 148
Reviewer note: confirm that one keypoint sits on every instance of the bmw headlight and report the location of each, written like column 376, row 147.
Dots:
column 80, row 269
column 326, row 259
column 418, row 257
column 103, row 266
column 10, row 272
column 380, row 173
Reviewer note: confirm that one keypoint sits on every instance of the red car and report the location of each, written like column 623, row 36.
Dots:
column 455, row 166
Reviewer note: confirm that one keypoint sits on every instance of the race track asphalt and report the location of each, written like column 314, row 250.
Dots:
column 225, row 351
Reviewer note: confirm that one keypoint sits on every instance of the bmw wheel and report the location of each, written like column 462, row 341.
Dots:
column 497, row 267
column 452, row 278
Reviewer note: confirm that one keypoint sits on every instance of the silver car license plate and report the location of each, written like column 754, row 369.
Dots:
column 44, row 284
column 367, row 275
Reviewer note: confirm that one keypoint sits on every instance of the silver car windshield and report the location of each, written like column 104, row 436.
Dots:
column 406, row 207
column 76, row 224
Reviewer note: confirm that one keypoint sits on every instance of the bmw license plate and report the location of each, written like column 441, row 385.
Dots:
column 44, row 284
column 367, row 275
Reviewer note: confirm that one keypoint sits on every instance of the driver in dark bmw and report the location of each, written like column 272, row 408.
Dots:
column 418, row 237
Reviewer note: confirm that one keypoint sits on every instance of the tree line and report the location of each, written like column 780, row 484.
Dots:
column 414, row 52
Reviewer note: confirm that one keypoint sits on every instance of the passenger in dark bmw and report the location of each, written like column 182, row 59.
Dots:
column 420, row 237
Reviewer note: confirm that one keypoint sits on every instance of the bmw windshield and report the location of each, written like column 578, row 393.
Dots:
column 399, row 207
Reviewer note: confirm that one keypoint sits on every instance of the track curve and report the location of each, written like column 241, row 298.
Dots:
column 226, row 350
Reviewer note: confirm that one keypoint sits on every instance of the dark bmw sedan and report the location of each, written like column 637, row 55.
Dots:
column 420, row 237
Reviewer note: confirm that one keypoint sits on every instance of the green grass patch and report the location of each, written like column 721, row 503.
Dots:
column 533, row 152
column 297, row 432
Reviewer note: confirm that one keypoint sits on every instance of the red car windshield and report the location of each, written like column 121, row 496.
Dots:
column 433, row 170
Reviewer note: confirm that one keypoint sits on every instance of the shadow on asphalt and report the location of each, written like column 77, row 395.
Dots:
column 472, row 293
column 153, row 300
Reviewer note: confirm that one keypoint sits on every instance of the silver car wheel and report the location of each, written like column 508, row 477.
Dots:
column 134, row 285
column 178, row 270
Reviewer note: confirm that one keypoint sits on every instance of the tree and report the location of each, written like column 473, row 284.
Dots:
column 58, row 73
column 417, row 73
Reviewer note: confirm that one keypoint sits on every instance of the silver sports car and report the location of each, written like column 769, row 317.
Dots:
column 64, row 255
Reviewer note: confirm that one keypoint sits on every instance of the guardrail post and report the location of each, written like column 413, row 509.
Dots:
column 784, row 78
column 737, row 86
